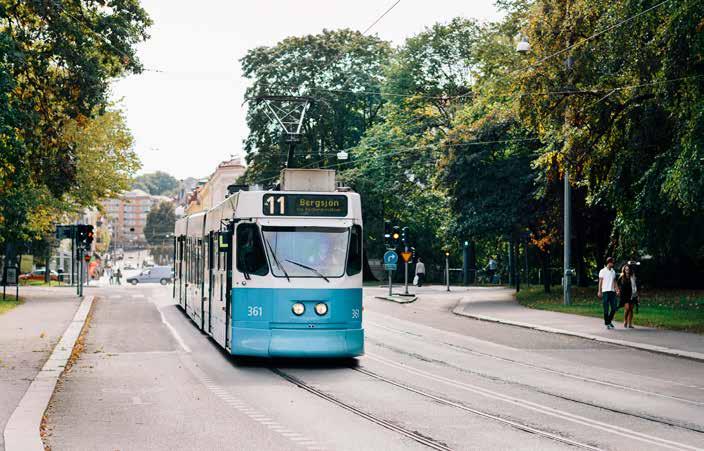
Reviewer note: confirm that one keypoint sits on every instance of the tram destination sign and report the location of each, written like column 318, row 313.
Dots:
column 304, row 205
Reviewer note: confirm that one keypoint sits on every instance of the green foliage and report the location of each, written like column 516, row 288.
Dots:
column 333, row 67
column 160, row 223
column 57, row 61
column 156, row 183
column 472, row 139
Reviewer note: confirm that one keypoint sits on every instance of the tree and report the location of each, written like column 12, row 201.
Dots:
column 156, row 183
column 630, row 122
column 159, row 231
column 58, row 60
column 340, row 69
column 160, row 223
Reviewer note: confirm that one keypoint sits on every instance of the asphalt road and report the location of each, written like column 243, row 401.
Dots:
column 148, row 379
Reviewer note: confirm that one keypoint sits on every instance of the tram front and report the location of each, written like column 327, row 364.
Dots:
column 297, row 283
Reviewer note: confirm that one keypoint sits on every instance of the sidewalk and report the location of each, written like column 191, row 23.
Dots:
column 28, row 334
column 499, row 305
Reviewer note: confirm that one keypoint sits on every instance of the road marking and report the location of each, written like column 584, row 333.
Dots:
column 536, row 407
column 563, row 373
column 23, row 427
column 178, row 338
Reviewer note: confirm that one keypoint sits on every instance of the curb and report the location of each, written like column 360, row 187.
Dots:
column 22, row 432
column 698, row 356
column 398, row 300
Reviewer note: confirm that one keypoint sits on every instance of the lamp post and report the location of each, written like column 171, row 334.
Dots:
column 523, row 46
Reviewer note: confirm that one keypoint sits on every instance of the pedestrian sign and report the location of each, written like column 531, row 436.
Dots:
column 390, row 260
column 406, row 256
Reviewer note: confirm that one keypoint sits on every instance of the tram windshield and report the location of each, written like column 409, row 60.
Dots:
column 306, row 251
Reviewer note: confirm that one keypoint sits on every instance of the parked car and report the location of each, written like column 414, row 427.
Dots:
column 38, row 274
column 128, row 266
column 157, row 274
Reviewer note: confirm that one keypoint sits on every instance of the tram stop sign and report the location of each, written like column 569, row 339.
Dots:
column 390, row 260
column 406, row 256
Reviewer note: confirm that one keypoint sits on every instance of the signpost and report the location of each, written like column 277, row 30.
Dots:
column 390, row 260
column 406, row 256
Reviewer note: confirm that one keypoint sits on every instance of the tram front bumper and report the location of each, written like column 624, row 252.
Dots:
column 298, row 342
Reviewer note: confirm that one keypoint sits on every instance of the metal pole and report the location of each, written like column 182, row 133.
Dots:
column 390, row 286
column 73, row 257
column 447, row 271
column 405, row 278
column 80, row 275
column 567, row 281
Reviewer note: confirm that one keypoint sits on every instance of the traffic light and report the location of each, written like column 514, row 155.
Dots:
column 387, row 233
column 84, row 235
column 405, row 236
column 395, row 235
column 89, row 236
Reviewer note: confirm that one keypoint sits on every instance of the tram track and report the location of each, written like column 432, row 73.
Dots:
column 657, row 420
column 630, row 434
column 464, row 349
column 413, row 435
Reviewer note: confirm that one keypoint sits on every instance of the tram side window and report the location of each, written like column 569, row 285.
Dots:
column 250, row 251
column 354, row 256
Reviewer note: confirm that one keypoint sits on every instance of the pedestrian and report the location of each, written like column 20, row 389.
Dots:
column 607, row 291
column 628, row 294
column 118, row 276
column 420, row 272
column 491, row 269
column 111, row 275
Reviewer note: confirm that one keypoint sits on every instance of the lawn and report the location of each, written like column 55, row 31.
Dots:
column 9, row 303
column 34, row 283
column 667, row 309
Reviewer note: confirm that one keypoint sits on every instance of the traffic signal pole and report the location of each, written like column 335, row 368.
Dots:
column 405, row 279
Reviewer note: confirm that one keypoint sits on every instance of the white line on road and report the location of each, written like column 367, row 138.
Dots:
column 173, row 331
column 540, row 408
column 22, row 431
column 563, row 373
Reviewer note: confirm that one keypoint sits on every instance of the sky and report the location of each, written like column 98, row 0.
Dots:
column 190, row 116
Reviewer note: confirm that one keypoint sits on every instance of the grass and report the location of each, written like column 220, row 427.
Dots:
column 33, row 283
column 9, row 303
column 667, row 309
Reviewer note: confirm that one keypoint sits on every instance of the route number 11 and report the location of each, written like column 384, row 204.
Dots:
column 271, row 203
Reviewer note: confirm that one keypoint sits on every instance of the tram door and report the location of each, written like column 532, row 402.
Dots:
column 208, row 281
column 229, row 239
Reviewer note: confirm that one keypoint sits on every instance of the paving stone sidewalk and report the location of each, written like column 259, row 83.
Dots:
column 28, row 334
column 499, row 304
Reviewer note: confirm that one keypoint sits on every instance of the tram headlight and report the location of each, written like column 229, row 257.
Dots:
column 321, row 309
column 298, row 309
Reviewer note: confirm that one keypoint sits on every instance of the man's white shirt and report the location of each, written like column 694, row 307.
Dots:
column 609, row 277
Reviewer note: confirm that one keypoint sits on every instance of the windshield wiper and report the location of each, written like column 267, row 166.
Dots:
column 276, row 259
column 309, row 267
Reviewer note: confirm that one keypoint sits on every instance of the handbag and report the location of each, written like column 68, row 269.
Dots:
column 415, row 280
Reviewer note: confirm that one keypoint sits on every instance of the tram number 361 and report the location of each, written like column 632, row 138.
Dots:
column 255, row 311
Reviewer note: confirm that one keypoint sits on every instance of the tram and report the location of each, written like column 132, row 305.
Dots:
column 276, row 273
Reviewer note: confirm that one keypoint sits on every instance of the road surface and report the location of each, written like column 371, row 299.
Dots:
column 148, row 379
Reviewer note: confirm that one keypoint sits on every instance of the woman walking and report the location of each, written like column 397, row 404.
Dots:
column 628, row 290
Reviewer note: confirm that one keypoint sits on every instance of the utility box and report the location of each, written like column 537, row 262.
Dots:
column 307, row 180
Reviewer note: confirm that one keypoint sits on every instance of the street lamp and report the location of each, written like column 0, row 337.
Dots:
column 523, row 46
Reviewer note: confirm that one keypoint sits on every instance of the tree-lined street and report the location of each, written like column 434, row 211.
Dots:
column 147, row 379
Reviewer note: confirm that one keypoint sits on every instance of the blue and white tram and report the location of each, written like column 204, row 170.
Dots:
column 275, row 273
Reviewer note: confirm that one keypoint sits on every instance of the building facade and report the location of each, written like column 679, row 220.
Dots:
column 213, row 190
column 127, row 217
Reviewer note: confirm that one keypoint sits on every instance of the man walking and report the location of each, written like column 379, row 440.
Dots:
column 420, row 272
column 607, row 291
column 491, row 269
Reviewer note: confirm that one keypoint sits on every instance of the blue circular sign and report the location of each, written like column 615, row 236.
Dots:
column 390, row 258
